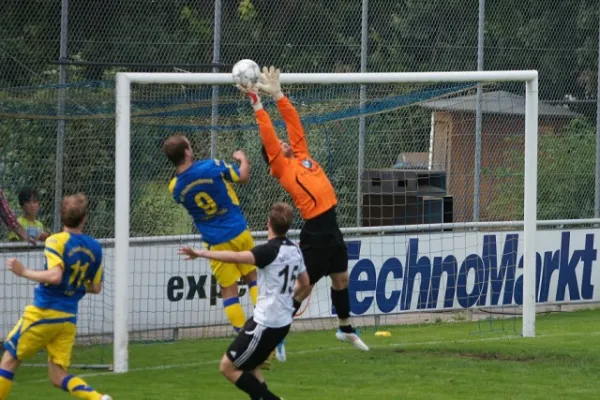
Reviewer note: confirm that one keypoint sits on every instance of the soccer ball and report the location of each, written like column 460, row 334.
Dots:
column 246, row 73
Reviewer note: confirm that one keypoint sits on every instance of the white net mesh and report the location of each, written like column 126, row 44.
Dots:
column 419, row 158
column 419, row 161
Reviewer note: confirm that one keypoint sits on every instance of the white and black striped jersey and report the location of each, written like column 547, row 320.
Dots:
column 279, row 263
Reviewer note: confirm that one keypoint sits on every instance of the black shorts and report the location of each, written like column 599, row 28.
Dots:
column 324, row 253
column 254, row 344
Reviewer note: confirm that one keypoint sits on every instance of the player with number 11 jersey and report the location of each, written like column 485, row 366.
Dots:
column 73, row 268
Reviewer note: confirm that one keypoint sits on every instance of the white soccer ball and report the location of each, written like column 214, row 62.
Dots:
column 246, row 73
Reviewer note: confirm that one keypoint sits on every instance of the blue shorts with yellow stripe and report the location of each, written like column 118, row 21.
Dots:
column 227, row 274
column 43, row 329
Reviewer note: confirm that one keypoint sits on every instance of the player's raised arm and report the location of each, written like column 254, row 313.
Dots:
column 244, row 168
column 268, row 135
column 269, row 83
column 232, row 172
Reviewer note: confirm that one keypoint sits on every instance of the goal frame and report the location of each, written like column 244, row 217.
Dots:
column 124, row 80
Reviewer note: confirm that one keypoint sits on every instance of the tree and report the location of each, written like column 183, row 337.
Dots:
column 566, row 165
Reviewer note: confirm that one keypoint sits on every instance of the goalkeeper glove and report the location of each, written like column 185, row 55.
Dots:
column 252, row 94
column 268, row 82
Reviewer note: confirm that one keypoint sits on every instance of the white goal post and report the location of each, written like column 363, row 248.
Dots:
column 122, row 178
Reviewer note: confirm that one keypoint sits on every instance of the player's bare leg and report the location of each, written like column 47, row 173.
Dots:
column 250, row 280
column 233, row 308
column 259, row 377
column 341, row 301
column 8, row 366
column 246, row 381
column 73, row 385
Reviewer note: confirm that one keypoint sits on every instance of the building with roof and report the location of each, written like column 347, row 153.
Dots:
column 452, row 144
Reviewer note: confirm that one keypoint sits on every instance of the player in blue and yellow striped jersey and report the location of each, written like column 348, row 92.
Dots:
column 205, row 189
column 73, row 268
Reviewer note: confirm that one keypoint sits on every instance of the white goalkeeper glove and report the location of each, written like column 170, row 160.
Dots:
column 252, row 94
column 268, row 82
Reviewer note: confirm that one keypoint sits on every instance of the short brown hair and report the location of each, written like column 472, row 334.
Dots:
column 281, row 217
column 73, row 210
column 174, row 147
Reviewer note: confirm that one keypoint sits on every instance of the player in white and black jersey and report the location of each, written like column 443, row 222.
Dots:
column 281, row 272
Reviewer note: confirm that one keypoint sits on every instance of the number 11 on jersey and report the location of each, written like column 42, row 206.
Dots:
column 78, row 274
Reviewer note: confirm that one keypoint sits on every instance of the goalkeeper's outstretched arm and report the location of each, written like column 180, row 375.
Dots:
column 271, row 148
column 269, row 83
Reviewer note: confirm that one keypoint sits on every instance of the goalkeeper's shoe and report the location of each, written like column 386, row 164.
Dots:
column 352, row 338
column 105, row 397
column 280, row 352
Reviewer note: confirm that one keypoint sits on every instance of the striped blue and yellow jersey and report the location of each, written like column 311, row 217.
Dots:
column 80, row 257
column 205, row 190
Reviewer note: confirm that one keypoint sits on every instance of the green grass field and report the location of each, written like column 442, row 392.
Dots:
column 437, row 361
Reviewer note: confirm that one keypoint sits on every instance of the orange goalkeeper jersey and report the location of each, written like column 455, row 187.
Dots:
column 301, row 176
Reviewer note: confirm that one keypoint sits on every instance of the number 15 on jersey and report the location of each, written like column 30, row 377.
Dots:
column 288, row 279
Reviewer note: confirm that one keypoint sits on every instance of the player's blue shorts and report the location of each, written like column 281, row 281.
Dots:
column 43, row 329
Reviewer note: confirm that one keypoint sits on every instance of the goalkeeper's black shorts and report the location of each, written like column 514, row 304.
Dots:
column 323, row 247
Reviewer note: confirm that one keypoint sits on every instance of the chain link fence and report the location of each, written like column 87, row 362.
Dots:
column 558, row 38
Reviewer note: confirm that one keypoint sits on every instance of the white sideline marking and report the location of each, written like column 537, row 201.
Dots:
column 312, row 351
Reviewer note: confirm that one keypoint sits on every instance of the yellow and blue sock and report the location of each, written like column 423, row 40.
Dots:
column 6, row 379
column 253, row 289
column 77, row 387
column 235, row 313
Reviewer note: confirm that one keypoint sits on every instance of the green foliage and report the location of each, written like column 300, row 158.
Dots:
column 246, row 10
column 566, row 165
column 559, row 39
column 155, row 213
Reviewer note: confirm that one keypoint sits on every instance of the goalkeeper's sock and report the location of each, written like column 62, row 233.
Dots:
column 6, row 380
column 253, row 289
column 78, row 388
column 235, row 313
column 341, row 302
column 249, row 384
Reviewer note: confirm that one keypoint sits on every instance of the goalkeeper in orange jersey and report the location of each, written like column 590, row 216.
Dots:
column 321, row 240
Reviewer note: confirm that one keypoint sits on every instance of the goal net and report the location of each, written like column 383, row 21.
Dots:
column 402, row 158
column 439, row 221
